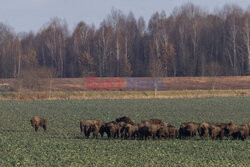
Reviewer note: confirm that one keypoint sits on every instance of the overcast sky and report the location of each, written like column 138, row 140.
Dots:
column 31, row 15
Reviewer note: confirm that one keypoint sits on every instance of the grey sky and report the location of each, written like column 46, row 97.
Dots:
column 27, row 15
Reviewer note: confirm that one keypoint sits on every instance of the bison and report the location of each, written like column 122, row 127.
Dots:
column 203, row 129
column 148, row 130
column 241, row 132
column 111, row 129
column 173, row 132
column 37, row 121
column 95, row 130
column 216, row 132
column 188, row 129
column 166, row 132
column 131, row 131
column 124, row 119
column 87, row 126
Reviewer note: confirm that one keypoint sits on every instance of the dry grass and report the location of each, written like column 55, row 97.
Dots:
column 169, row 83
column 173, row 87
column 121, row 94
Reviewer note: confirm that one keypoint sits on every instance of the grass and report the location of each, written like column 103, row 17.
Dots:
column 63, row 145
column 43, row 95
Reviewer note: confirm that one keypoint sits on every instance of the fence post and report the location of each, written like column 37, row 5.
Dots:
column 155, row 87
column 84, row 87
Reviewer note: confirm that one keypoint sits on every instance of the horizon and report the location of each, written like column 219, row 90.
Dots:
column 33, row 18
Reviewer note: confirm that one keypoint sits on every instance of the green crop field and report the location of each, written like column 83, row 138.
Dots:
column 63, row 145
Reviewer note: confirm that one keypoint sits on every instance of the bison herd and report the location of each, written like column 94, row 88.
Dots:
column 125, row 128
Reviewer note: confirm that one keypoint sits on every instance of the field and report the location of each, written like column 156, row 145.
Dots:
column 63, row 145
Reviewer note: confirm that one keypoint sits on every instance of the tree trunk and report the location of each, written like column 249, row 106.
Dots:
column 117, row 57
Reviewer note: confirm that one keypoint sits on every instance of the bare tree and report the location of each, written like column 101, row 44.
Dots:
column 53, row 40
column 246, row 38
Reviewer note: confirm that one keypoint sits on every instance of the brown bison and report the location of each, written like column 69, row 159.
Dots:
column 37, row 121
column 95, row 130
column 148, row 130
column 131, row 131
column 188, row 129
column 228, row 128
column 203, row 129
column 87, row 126
column 122, row 129
column 241, row 132
column 166, row 132
column 124, row 119
column 163, row 132
column 111, row 129
column 173, row 132
column 216, row 132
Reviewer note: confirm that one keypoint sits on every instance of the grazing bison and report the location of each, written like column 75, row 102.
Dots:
column 153, row 129
column 105, row 128
column 163, row 132
column 95, row 130
column 124, row 119
column 241, row 132
column 203, row 129
column 216, row 132
column 143, row 132
column 121, row 129
column 166, row 132
column 131, row 130
column 173, row 132
column 188, row 129
column 87, row 125
column 228, row 128
column 37, row 121
column 111, row 129
column 148, row 130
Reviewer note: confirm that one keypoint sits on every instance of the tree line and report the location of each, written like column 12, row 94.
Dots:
column 188, row 42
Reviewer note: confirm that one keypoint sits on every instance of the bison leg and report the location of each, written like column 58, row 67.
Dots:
column 36, row 128
column 44, row 128
column 85, row 131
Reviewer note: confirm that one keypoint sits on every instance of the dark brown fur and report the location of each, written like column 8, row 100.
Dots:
column 124, row 119
column 188, row 129
column 229, row 129
column 167, row 132
column 111, row 129
column 148, row 130
column 95, row 130
column 131, row 131
column 87, row 125
column 204, row 129
column 216, row 132
column 173, row 132
column 241, row 132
